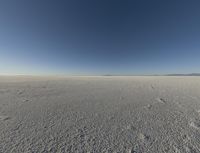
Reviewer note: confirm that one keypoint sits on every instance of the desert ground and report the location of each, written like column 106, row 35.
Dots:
column 105, row 114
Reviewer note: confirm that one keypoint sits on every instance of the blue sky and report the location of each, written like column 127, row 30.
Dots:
column 97, row 37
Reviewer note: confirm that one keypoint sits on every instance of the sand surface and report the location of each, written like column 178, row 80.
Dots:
column 100, row 114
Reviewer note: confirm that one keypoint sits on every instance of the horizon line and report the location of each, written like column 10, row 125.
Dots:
column 104, row 75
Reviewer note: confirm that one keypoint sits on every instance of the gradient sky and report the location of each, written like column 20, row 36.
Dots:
column 96, row 37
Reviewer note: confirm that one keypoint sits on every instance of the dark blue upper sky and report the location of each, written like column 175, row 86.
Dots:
column 99, row 36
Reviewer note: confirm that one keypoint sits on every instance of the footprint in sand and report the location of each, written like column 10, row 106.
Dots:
column 21, row 92
column 189, row 149
column 121, row 98
column 135, row 149
column 2, row 91
column 4, row 117
column 25, row 100
column 138, row 148
column 176, row 150
column 143, row 137
column 161, row 100
column 152, row 87
column 149, row 106
column 198, row 111
column 195, row 124
column 179, row 104
column 130, row 127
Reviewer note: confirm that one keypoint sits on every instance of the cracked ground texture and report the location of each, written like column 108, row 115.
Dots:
column 151, row 114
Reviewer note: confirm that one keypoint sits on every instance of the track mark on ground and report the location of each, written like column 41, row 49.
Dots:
column 4, row 117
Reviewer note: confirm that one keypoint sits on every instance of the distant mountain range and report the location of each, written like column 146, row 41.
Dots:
column 190, row 74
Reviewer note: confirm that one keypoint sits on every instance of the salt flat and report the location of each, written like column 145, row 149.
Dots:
column 152, row 114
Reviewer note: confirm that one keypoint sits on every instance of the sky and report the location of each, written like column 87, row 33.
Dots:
column 98, row 37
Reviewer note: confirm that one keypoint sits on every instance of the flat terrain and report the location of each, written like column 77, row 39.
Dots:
column 100, row 114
